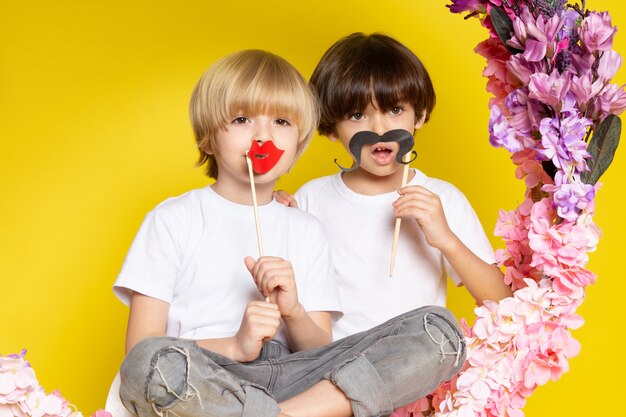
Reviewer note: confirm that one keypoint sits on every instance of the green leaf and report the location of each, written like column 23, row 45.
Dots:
column 504, row 27
column 602, row 147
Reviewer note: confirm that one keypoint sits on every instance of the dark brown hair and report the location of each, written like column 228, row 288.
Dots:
column 360, row 69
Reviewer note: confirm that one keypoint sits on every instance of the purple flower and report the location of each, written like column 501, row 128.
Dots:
column 550, row 89
column 597, row 32
column 525, row 113
column 460, row 6
column 568, row 20
column 501, row 134
column 549, row 8
column 562, row 141
column 571, row 196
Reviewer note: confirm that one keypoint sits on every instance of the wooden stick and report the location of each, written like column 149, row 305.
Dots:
column 396, row 232
column 255, row 207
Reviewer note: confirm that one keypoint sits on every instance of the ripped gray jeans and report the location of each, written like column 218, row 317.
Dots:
column 381, row 369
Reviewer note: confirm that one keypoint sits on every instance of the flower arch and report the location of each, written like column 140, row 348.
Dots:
column 554, row 108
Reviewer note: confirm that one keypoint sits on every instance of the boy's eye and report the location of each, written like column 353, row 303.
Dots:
column 282, row 122
column 356, row 116
column 240, row 120
column 396, row 110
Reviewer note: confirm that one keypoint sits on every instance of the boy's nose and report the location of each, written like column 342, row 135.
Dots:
column 378, row 126
column 263, row 133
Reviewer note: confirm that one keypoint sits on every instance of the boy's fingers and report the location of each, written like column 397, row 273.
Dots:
column 414, row 188
column 261, row 305
column 250, row 262
column 284, row 198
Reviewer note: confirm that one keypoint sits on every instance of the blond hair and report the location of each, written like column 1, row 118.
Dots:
column 255, row 82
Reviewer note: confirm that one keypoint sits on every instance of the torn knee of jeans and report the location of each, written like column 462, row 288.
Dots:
column 168, row 379
column 450, row 342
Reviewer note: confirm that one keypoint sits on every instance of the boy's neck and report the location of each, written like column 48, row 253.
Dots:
column 241, row 193
column 362, row 182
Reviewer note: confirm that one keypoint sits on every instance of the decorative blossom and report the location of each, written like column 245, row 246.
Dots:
column 597, row 32
column 552, row 88
column 22, row 396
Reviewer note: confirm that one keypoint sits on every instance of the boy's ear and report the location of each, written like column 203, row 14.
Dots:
column 420, row 122
column 333, row 136
column 205, row 146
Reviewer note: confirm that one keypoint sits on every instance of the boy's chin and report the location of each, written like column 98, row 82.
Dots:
column 382, row 171
column 271, row 176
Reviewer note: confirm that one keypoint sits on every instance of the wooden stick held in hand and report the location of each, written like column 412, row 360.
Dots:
column 255, row 207
column 396, row 232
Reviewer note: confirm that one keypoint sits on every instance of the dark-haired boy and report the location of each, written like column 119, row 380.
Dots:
column 376, row 84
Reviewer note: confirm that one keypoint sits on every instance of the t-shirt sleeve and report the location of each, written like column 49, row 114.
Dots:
column 318, row 290
column 464, row 222
column 153, row 261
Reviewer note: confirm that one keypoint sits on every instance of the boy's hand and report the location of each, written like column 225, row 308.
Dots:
column 285, row 198
column 260, row 322
column 425, row 207
column 275, row 279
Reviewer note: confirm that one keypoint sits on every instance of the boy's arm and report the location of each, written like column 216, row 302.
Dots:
column 483, row 281
column 308, row 330
column 148, row 318
column 275, row 279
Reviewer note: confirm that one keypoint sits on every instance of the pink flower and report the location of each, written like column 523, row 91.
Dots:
column 612, row 99
column 39, row 404
column 609, row 63
column 494, row 322
column 532, row 172
column 423, row 404
column 572, row 282
column 584, row 89
column 532, row 302
column 538, row 38
column 549, row 89
column 597, row 32
column 545, row 349
column 17, row 378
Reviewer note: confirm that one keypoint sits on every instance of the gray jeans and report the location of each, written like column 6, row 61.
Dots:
column 379, row 370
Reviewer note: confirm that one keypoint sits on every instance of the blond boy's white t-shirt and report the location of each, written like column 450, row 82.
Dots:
column 189, row 253
column 360, row 229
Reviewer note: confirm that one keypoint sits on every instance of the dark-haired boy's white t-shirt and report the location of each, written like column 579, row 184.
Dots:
column 361, row 228
column 189, row 253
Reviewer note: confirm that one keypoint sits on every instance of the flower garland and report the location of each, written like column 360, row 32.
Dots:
column 22, row 396
column 549, row 66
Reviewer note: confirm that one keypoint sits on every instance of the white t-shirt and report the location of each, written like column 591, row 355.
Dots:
column 189, row 253
column 360, row 229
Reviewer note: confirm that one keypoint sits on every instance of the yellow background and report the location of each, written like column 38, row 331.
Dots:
column 94, row 133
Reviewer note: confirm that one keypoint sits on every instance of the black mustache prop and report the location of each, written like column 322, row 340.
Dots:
column 403, row 137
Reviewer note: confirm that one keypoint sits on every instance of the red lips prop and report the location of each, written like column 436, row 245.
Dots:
column 264, row 156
